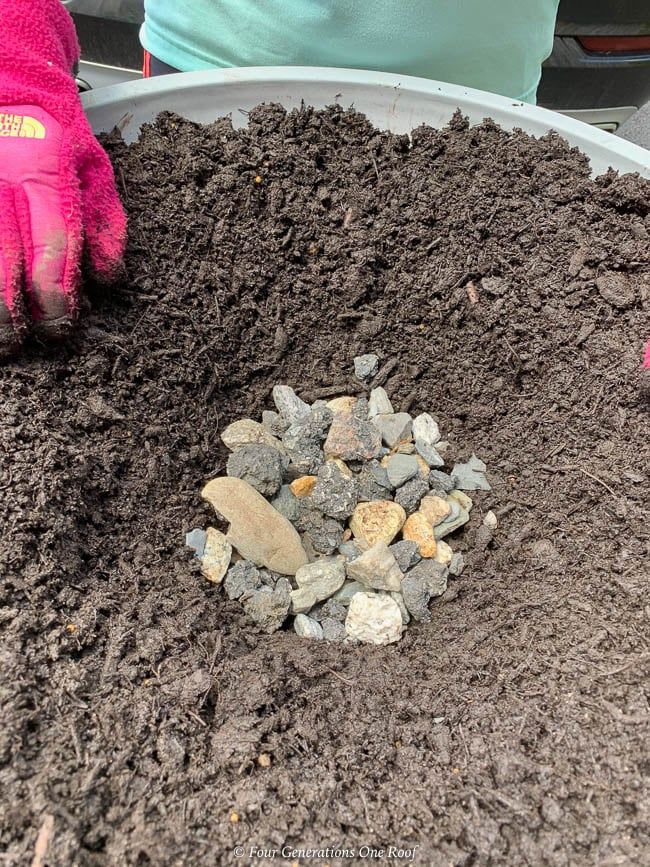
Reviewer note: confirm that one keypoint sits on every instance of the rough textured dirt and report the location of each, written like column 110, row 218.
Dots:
column 135, row 701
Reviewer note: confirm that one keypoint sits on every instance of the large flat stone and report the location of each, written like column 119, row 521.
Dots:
column 257, row 531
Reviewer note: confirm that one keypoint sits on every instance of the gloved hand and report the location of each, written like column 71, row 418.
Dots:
column 57, row 190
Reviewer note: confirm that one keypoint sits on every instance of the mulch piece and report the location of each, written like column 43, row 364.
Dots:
column 136, row 700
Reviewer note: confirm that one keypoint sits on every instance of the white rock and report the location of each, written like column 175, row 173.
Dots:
column 425, row 428
column 379, row 403
column 444, row 553
column 374, row 619
column 216, row 556
column 289, row 405
column 307, row 627
column 490, row 520
column 376, row 568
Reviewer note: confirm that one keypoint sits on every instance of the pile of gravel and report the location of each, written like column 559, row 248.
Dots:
column 338, row 513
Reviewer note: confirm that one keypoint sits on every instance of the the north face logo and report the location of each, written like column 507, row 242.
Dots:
column 20, row 126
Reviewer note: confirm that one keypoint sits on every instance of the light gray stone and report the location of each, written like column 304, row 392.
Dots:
column 365, row 366
column 401, row 468
column 451, row 524
column 261, row 465
column 376, row 568
column 289, row 405
column 322, row 578
column 379, row 403
column 490, row 520
column 374, row 618
column 470, row 477
column 267, row 607
column 425, row 429
column 305, row 627
column 393, row 428
column 246, row 431
column 406, row 553
column 334, row 494
column 410, row 494
column 241, row 579
column 329, row 608
column 349, row 550
column 195, row 540
column 420, row 584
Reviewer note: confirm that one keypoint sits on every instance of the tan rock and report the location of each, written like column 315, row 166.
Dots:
column 444, row 553
column 257, row 530
column 377, row 521
column 241, row 433
column 435, row 508
column 462, row 499
column 418, row 529
column 425, row 469
column 342, row 404
column 216, row 555
column 303, row 486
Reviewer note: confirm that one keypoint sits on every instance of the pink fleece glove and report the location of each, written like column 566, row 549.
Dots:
column 57, row 189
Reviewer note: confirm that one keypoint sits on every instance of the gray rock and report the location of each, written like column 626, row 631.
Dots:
column 440, row 481
column 410, row 494
column 360, row 409
column 305, row 627
column 401, row 468
column 470, row 476
column 289, row 405
column 420, row 584
column 329, row 608
column 347, row 592
column 373, row 483
column 303, row 440
column 379, row 403
column 365, row 366
column 241, row 579
column 333, row 630
column 261, row 465
column 429, row 454
column 287, row 504
column 334, row 494
column 349, row 550
column 274, row 423
column 323, row 577
column 425, row 429
column 195, row 540
column 406, row 553
column 325, row 534
column 267, row 607
column 451, row 524
column 269, row 578
column 457, row 564
column 376, row 568
column 352, row 439
column 393, row 428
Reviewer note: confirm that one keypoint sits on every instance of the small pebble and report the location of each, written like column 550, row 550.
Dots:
column 269, row 608
column 216, row 555
column 393, row 428
column 429, row 454
column 457, row 564
column 195, row 540
column 406, row 553
column 259, row 464
column 246, row 431
column 241, row 579
column 425, row 429
column 333, row 630
column 420, row 584
column 365, row 367
column 305, row 627
column 470, row 476
column 418, row 529
column 289, row 405
column 347, row 592
column 376, row 568
column 379, row 403
column 377, row 521
column 274, row 423
column 342, row 404
column 303, row 485
column 438, row 480
column 286, row 503
column 435, row 508
column 400, row 468
column 444, row 553
column 335, row 493
column 490, row 520
column 410, row 495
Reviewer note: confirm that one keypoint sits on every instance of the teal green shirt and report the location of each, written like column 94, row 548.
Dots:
column 495, row 45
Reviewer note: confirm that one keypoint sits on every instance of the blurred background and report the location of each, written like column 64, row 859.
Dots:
column 599, row 71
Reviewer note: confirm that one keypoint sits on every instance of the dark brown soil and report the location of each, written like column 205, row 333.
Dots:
column 135, row 700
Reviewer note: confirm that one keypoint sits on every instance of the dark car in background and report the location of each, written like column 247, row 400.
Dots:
column 599, row 70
